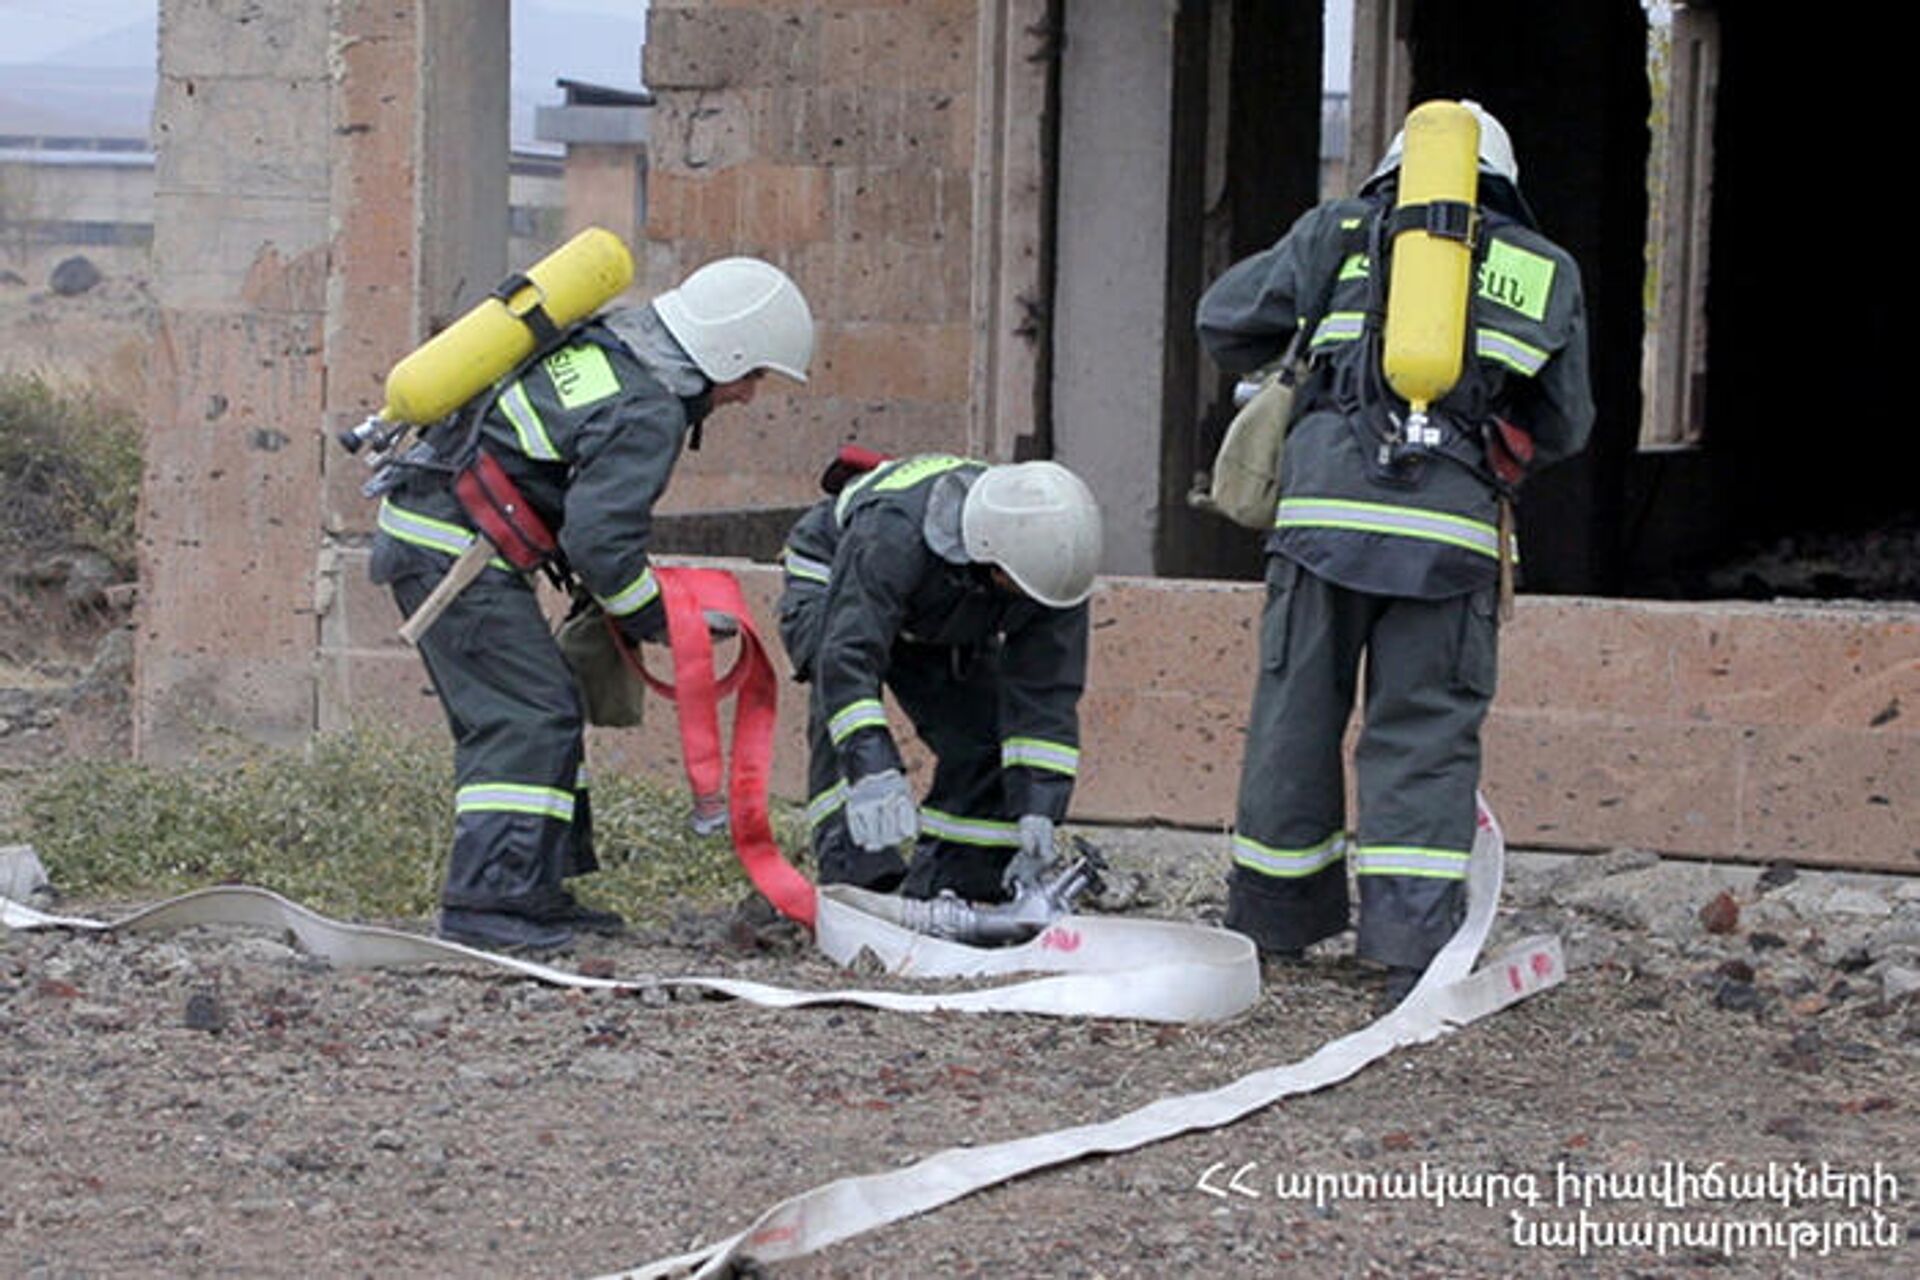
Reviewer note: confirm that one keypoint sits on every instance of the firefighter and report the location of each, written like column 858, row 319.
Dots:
column 1387, row 550
column 961, row 588
column 590, row 435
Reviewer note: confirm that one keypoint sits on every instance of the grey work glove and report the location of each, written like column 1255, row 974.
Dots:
column 1029, row 865
column 880, row 811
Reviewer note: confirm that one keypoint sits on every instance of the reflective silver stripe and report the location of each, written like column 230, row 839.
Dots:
column 826, row 804
column 1035, row 753
column 1410, row 860
column 864, row 714
column 800, row 566
column 1509, row 350
column 422, row 531
column 633, row 597
column 1288, row 863
column 1339, row 326
column 978, row 831
column 527, row 425
column 1379, row 517
column 511, row 797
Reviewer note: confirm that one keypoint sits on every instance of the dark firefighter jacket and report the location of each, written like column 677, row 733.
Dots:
column 886, row 585
column 1428, row 529
column 590, row 436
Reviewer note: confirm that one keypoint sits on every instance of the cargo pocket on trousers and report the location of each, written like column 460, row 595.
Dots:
column 1275, row 619
column 1478, row 669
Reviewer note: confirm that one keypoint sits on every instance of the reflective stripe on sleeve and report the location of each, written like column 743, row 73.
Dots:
column 985, row 832
column 1410, row 860
column 633, row 597
column 1288, row 863
column 826, row 804
column 867, row 713
column 513, row 797
column 1380, row 517
column 800, row 566
column 1035, row 753
column 532, row 432
column 1504, row 348
column 1338, row 326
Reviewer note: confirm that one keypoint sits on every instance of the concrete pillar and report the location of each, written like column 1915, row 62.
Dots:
column 1110, row 322
column 292, row 267
column 230, row 503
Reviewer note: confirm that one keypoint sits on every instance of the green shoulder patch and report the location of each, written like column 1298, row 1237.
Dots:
column 581, row 375
column 1517, row 279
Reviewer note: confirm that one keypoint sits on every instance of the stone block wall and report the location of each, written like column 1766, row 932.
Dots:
column 835, row 139
column 1749, row 732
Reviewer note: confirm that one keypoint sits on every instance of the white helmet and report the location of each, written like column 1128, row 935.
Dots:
column 1496, row 148
column 737, row 315
column 1039, row 522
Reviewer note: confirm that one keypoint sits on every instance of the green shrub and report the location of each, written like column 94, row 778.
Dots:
column 356, row 826
column 69, row 469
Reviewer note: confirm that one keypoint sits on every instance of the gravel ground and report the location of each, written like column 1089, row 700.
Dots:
column 212, row 1102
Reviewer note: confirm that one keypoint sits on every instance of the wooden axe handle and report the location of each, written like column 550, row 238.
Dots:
column 468, row 567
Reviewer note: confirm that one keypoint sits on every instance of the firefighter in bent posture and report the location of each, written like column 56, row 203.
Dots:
column 962, row 588
column 588, row 435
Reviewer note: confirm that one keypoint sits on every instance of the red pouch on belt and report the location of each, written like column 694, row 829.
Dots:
column 493, row 502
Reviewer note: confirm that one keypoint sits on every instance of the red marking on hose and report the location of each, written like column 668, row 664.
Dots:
column 688, row 594
column 1542, row 964
column 1514, row 979
column 1060, row 940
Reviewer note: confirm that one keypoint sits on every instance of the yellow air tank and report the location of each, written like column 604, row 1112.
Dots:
column 468, row 356
column 1429, row 286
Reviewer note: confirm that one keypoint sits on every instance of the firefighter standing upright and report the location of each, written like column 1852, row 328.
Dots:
column 962, row 588
column 589, row 435
column 1388, row 545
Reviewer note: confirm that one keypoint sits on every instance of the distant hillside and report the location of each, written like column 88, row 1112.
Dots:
column 108, row 102
column 104, row 86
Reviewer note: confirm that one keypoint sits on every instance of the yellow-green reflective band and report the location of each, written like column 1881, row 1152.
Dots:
column 904, row 474
column 1410, row 860
column 1377, row 517
column 1338, row 326
column 799, row 566
column 1348, row 224
column 864, row 714
column 633, row 597
column 826, row 804
column 510, row 797
column 983, row 832
column 1355, row 267
column 1506, row 349
column 527, row 427
column 1036, row 753
column 581, row 375
column 1288, row 863
column 1518, row 279
column 422, row 531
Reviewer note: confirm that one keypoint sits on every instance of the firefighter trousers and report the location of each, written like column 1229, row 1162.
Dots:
column 522, row 821
column 1429, row 668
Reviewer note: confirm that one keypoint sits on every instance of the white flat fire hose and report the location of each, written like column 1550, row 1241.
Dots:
column 1095, row 966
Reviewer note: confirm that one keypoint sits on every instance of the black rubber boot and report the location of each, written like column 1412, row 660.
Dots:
column 1401, row 980
column 564, row 909
column 497, row 931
